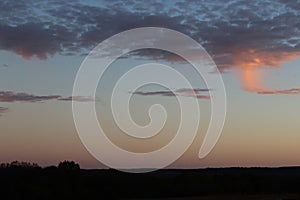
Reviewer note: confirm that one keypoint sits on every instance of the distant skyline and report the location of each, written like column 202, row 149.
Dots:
column 255, row 44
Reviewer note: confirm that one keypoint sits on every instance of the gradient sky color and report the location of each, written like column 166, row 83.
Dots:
column 255, row 44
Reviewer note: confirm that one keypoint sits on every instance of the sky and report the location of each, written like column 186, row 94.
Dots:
column 255, row 45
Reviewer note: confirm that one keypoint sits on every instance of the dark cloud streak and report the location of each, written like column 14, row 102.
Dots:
column 195, row 93
column 284, row 92
column 3, row 110
column 10, row 97
column 77, row 98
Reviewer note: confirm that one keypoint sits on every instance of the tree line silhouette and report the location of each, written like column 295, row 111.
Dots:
column 23, row 180
column 66, row 165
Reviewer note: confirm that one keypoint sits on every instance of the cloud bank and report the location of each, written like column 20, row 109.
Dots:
column 237, row 33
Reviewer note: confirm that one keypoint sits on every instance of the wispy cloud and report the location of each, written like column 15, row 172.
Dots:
column 77, row 98
column 160, row 93
column 287, row 91
column 3, row 110
column 195, row 93
column 9, row 96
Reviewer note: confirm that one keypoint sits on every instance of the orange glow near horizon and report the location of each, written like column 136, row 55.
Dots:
column 250, row 60
column 251, row 79
column 256, row 58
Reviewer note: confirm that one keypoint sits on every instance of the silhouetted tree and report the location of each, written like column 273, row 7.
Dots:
column 17, row 164
column 68, row 165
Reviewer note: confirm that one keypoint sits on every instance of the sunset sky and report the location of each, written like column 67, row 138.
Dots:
column 255, row 44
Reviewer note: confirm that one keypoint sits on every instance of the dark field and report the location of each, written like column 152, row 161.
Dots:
column 235, row 197
column 69, row 182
